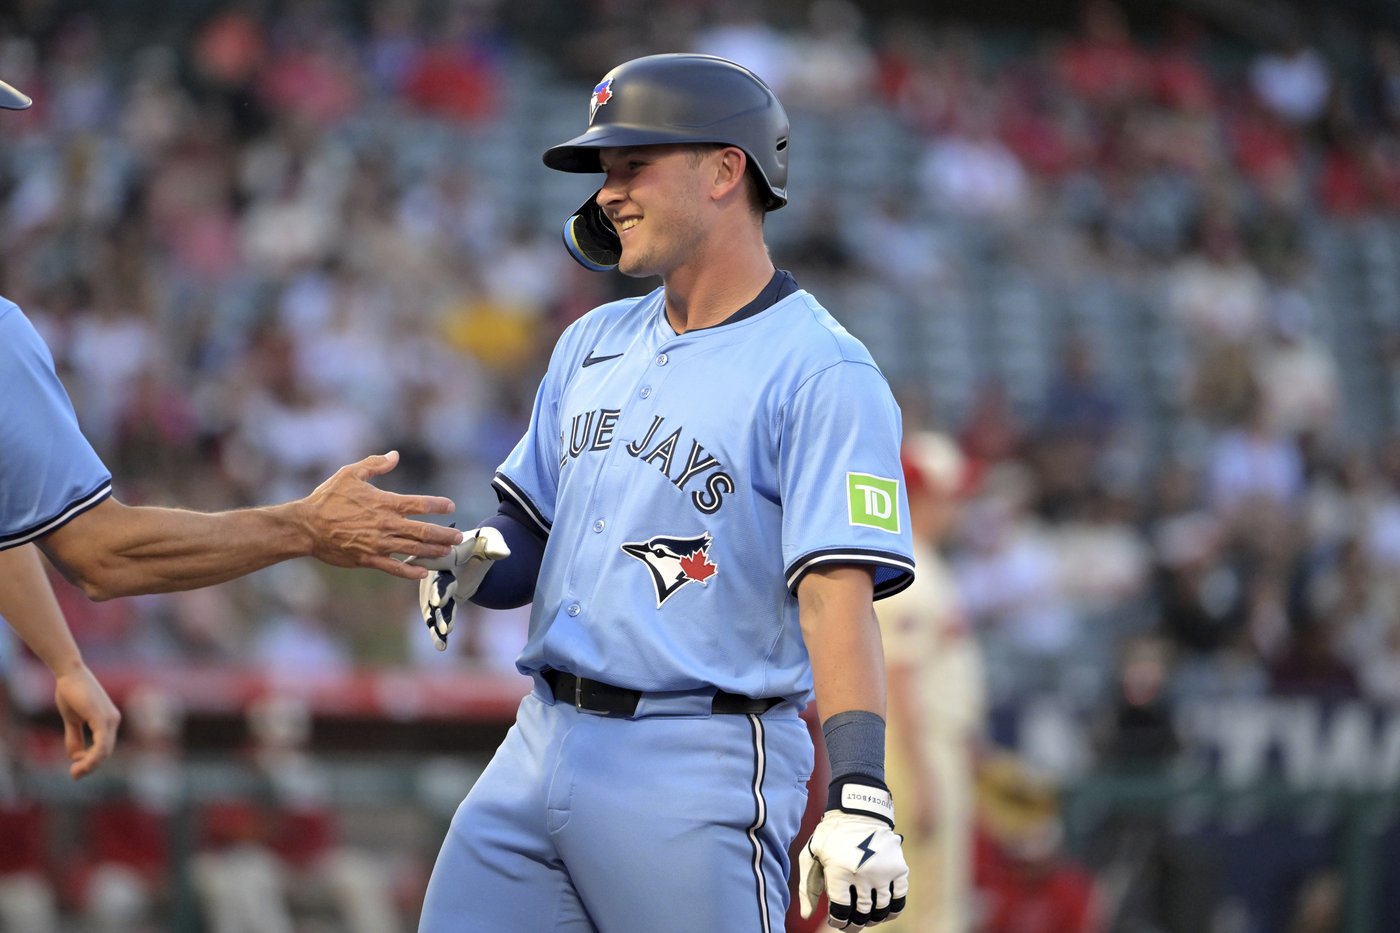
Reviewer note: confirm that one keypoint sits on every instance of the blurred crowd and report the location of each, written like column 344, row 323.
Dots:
column 260, row 246
column 262, row 843
column 251, row 270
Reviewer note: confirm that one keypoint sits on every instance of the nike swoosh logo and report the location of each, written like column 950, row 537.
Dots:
column 591, row 359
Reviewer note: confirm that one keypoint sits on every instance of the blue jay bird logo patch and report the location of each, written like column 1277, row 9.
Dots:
column 601, row 95
column 674, row 561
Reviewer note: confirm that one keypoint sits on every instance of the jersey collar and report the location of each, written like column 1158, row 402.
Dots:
column 779, row 287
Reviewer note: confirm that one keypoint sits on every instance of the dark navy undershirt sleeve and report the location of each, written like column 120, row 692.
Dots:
column 510, row 583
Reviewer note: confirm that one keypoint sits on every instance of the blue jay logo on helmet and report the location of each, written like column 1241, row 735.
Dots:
column 674, row 561
column 601, row 95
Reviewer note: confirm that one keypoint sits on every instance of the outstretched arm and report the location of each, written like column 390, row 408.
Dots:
column 28, row 604
column 118, row 550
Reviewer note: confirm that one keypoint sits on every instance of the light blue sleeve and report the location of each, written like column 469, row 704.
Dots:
column 49, row 473
column 842, row 486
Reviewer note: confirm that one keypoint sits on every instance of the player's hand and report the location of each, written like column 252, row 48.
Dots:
column 858, row 861
column 455, row 578
column 354, row 524
column 81, row 701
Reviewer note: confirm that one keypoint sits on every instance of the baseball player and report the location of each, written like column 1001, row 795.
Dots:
column 28, row 605
column 937, row 702
column 706, row 502
column 55, row 491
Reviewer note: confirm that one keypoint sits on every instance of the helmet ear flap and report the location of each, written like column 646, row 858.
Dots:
column 591, row 238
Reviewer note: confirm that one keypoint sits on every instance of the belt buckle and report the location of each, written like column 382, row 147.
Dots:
column 578, row 700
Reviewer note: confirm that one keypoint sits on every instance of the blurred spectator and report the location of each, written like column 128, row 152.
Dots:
column 235, row 876
column 315, row 866
column 456, row 75
column 1139, row 733
column 1200, row 593
column 1223, row 385
column 311, row 74
column 1294, row 81
column 1079, row 404
column 1104, row 65
column 936, row 700
column 1215, row 292
column 1105, row 564
column 831, row 68
column 926, row 77
column 28, row 901
column 297, row 637
column 1320, row 906
column 1233, row 671
column 124, row 869
column 740, row 34
column 967, row 171
column 1181, row 80
column 1379, row 670
column 1011, row 586
column 1160, row 880
column 1297, row 374
column 80, row 88
column 292, row 429
column 1383, row 80
column 230, row 46
column 1312, row 665
column 1253, row 464
column 892, row 243
column 1025, row 881
column 993, row 432
column 154, row 431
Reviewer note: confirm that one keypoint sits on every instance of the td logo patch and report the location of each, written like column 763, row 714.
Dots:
column 873, row 501
column 674, row 562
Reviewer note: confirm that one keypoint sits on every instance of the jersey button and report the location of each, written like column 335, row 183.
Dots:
column 599, row 525
column 574, row 609
column 662, row 360
column 646, row 392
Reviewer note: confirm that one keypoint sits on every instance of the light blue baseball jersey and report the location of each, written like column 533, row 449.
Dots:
column 49, row 473
column 688, row 482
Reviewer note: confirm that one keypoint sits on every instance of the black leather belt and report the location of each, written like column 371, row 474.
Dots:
column 593, row 696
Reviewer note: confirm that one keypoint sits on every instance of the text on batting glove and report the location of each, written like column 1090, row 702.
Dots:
column 855, row 856
column 455, row 578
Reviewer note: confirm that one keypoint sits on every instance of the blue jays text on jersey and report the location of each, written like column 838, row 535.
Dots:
column 584, row 435
column 687, row 482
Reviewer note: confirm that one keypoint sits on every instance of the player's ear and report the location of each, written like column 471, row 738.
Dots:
column 729, row 173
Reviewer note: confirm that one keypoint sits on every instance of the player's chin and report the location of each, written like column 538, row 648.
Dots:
column 636, row 264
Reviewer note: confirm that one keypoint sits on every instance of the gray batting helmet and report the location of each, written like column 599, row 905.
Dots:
column 672, row 98
column 10, row 99
column 679, row 98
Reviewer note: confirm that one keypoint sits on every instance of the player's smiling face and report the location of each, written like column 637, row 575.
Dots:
column 653, row 196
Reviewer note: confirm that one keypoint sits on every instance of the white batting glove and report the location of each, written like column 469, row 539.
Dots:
column 855, row 856
column 455, row 578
